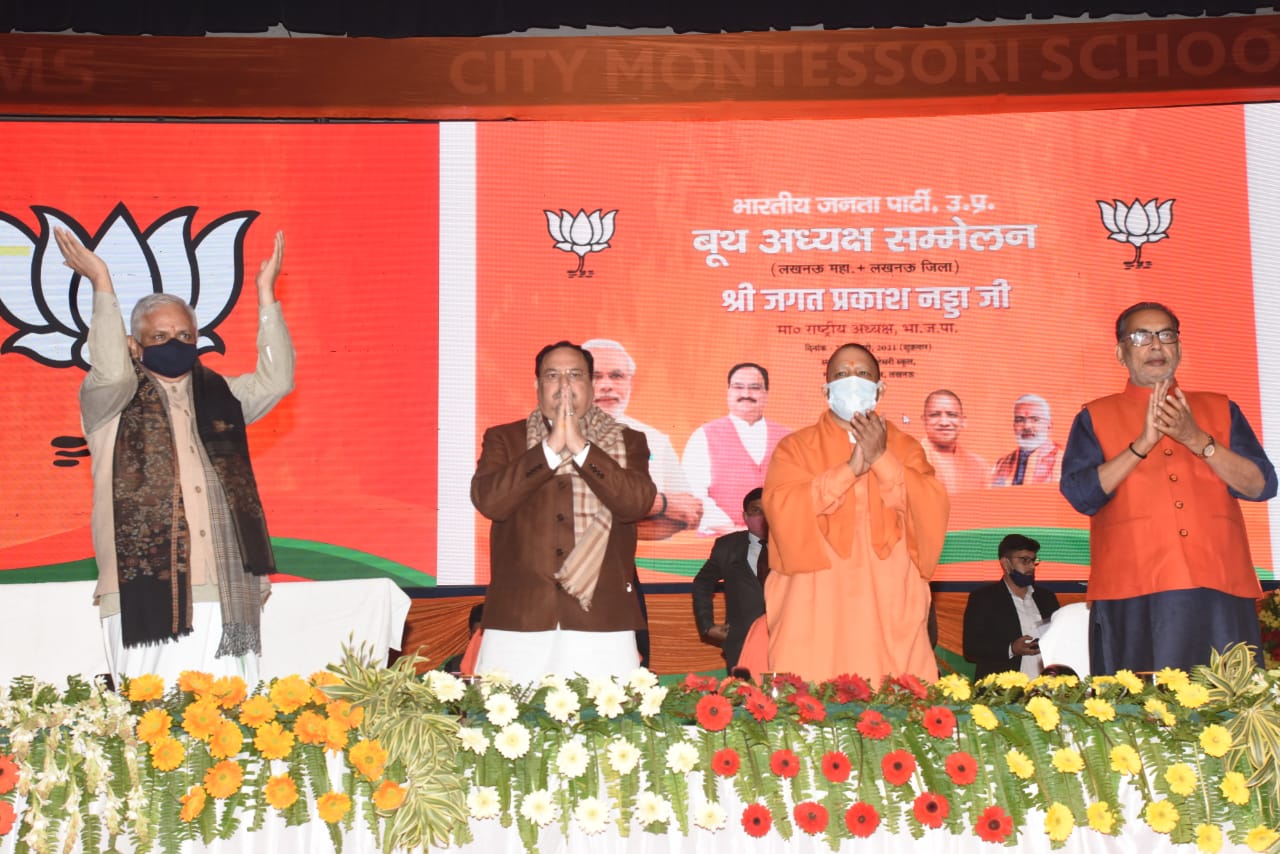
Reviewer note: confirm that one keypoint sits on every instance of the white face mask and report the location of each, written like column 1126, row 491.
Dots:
column 848, row 395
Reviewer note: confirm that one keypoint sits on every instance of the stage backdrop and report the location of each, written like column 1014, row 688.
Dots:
column 426, row 265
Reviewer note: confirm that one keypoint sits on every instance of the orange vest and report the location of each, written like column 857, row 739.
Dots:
column 1171, row 524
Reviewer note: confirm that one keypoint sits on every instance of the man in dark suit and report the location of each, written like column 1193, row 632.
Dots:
column 741, row 561
column 564, row 489
column 1003, row 621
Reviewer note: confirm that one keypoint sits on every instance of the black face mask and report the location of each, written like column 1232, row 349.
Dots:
column 171, row 359
column 1022, row 579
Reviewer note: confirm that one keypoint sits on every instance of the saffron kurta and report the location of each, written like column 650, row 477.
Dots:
column 851, row 557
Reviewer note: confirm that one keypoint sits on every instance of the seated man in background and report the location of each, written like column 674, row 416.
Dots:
column 741, row 561
column 1003, row 620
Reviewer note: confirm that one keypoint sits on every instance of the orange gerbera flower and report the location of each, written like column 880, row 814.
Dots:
column 319, row 679
column 256, row 711
column 311, row 728
column 167, row 753
column 223, row 780
column 229, row 691
column 344, row 713
column 335, row 735
column 154, row 724
column 8, row 773
column 192, row 803
column 227, row 739
column 273, row 741
column 201, row 718
column 290, row 693
column 390, row 795
column 196, row 681
column 145, row 688
column 332, row 806
column 281, row 791
column 368, row 757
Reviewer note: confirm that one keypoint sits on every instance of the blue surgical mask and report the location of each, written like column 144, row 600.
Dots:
column 1022, row 579
column 171, row 359
column 848, row 395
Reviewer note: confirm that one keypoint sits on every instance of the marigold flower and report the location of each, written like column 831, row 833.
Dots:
column 345, row 714
column 898, row 766
column 318, row 681
column 1067, row 760
column 939, row 721
column 1208, row 838
column 872, row 725
column 1235, row 788
column 1125, row 760
column 226, row 740
column 784, row 763
column 311, row 728
column 290, row 694
column 1059, row 822
column 984, row 717
column 1191, row 696
column 201, row 718
column 1011, row 679
column 8, row 774
column 1044, row 711
column 955, row 687
column 1181, row 778
column 256, row 711
column 809, row 709
column 1099, row 709
column 1172, row 678
column 335, row 735
column 229, row 691
column 1130, row 681
column 281, row 791
column 167, row 753
column 1020, row 764
column 195, row 682
column 1261, row 838
column 1100, row 816
column 994, row 825
column 154, row 724
column 1215, row 740
column 861, row 819
column 962, row 768
column 835, row 766
column 930, row 809
column 756, row 820
column 811, row 817
column 368, row 757
column 145, row 688
column 1161, row 816
column 332, row 806
column 713, row 712
column 1158, row 709
column 223, row 780
column 192, row 803
column 390, row 795
column 726, row 762
column 273, row 741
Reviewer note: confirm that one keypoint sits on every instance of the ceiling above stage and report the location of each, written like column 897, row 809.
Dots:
column 400, row 19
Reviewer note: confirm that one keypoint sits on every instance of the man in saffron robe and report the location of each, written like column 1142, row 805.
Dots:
column 857, row 520
column 1160, row 471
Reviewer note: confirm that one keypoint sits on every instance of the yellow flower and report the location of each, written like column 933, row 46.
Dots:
column 256, row 711
column 1208, row 838
column 344, row 713
column 1173, row 679
column 227, row 739
column 1059, row 822
column 1012, row 679
column 1099, row 709
column 310, row 728
column 201, row 718
column 146, row 687
column 1101, row 818
column 167, row 753
column 1019, row 763
column 983, row 716
column 192, row 803
column 273, row 741
column 332, row 806
column 335, row 735
column 1215, row 740
column 1181, row 778
column 368, row 757
column 319, row 679
column 1157, row 709
column 1125, row 760
column 196, row 682
column 229, row 691
column 1068, row 761
column 154, row 724
column 281, row 791
column 1261, row 838
column 955, row 687
column 1044, row 711
column 223, row 780
column 290, row 693
column 1130, row 681
column 1192, row 696
column 390, row 795
column 1235, row 788
column 1162, row 816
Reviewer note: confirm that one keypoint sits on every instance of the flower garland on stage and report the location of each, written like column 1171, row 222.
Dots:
column 425, row 760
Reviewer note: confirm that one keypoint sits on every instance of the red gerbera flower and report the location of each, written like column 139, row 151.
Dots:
column 898, row 766
column 851, row 688
column 939, row 721
column 836, row 767
column 872, row 725
column 788, row 680
column 809, row 708
column 7, row 817
column 912, row 684
column 761, row 706
column 725, row 762
column 713, row 712
column 994, row 825
column 962, row 768
column 861, row 819
column 784, row 763
column 8, row 774
column 694, row 682
column 811, row 817
column 931, row 809
column 756, row 820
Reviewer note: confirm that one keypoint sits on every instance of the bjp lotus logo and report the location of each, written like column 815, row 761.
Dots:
column 1138, row 224
column 50, row 306
column 580, row 234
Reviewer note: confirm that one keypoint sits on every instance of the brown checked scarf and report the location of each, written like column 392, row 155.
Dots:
column 592, row 521
column 152, row 540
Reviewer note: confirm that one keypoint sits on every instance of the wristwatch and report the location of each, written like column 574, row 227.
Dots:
column 1209, row 448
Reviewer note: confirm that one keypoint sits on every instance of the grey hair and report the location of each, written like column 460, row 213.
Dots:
column 150, row 303
column 610, row 344
column 1036, row 399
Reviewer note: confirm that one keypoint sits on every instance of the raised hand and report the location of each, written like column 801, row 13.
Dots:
column 269, row 271
column 82, row 260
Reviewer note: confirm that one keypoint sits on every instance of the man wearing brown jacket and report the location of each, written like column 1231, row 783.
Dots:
column 563, row 489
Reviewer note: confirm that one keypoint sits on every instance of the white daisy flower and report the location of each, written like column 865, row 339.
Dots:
column 682, row 757
column 652, row 809
column 572, row 759
column 651, row 700
column 641, row 678
column 562, row 704
column 473, row 739
column 710, row 816
column 592, row 816
column 482, row 802
column 512, row 741
column 502, row 709
column 539, row 807
column 622, row 755
column 447, row 687
column 609, row 701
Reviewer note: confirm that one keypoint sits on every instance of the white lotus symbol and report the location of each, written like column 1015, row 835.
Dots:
column 50, row 306
column 1138, row 224
column 580, row 233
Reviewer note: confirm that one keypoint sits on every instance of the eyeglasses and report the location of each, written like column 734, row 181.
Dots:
column 1143, row 337
column 573, row 375
column 1025, row 561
